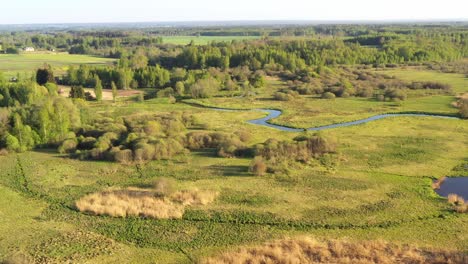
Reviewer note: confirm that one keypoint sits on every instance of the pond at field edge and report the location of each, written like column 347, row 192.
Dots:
column 455, row 185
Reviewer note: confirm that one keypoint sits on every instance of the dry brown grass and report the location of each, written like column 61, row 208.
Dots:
column 308, row 250
column 194, row 197
column 436, row 185
column 458, row 203
column 143, row 203
column 123, row 203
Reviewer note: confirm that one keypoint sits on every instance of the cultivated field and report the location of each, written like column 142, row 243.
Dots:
column 11, row 64
column 202, row 40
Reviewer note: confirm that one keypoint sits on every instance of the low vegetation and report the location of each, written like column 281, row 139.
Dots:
column 157, row 203
column 458, row 203
column 308, row 250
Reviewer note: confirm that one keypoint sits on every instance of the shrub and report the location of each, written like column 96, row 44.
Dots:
column 455, row 199
column 328, row 95
column 86, row 143
column 124, row 156
column 364, row 92
column 395, row 94
column 77, row 92
column 144, row 152
column 12, row 143
column 3, row 152
column 204, row 88
column 258, row 166
column 301, row 149
column 286, row 96
column 164, row 93
column 463, row 105
column 68, row 146
column 458, row 203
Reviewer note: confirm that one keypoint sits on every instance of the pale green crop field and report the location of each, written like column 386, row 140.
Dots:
column 11, row 64
column 184, row 40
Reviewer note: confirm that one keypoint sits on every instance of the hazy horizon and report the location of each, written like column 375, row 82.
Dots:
column 25, row 12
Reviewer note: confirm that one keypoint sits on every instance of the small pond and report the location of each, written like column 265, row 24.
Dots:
column 455, row 185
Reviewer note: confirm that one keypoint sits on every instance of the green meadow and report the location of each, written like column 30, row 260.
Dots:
column 11, row 64
column 379, row 187
column 202, row 40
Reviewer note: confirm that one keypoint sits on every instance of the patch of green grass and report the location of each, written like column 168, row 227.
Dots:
column 26, row 63
column 202, row 40
column 458, row 82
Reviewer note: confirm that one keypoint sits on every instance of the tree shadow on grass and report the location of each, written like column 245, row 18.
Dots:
column 231, row 170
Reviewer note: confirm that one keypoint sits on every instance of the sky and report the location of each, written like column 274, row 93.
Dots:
column 96, row 11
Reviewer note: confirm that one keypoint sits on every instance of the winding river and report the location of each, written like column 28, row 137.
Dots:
column 276, row 113
column 452, row 185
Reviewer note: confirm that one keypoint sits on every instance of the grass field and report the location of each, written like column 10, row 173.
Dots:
column 459, row 82
column 10, row 64
column 184, row 40
column 309, row 111
column 377, row 186
column 379, row 189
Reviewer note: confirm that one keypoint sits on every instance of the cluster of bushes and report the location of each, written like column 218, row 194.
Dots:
column 272, row 153
column 226, row 145
column 344, row 82
column 430, row 85
column 146, row 137
column 286, row 95
column 392, row 94
column 135, row 138
column 449, row 67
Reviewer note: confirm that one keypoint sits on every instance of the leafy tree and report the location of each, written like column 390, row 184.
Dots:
column 180, row 88
column 204, row 88
column 114, row 91
column 98, row 88
column 23, row 133
column 45, row 75
column 77, row 92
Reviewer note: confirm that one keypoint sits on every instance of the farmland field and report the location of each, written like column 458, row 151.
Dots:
column 11, row 64
column 202, row 40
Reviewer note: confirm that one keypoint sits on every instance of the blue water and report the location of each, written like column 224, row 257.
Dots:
column 455, row 185
column 276, row 113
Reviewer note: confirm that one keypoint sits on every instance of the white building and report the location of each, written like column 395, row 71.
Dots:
column 29, row 49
